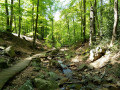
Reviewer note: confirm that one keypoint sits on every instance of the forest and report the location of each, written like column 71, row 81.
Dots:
column 59, row 45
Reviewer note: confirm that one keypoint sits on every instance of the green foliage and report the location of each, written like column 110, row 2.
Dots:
column 68, row 30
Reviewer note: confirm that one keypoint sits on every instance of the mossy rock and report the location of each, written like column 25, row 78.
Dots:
column 27, row 86
column 9, row 51
column 35, row 64
column 53, row 76
column 42, row 84
column 82, row 67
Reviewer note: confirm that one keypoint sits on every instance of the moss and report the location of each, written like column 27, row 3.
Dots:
column 42, row 84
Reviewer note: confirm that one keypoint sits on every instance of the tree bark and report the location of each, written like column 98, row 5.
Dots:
column 7, row 13
column 114, row 35
column 95, row 19
column 11, row 19
column 33, row 19
column 68, row 32
column 81, row 20
column 101, row 17
column 34, row 40
column 84, row 22
column 15, row 24
column 74, row 31
column 19, row 20
column 91, row 25
column 52, row 31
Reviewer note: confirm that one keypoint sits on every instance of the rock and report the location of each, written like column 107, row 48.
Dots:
column 3, row 63
column 118, row 83
column 36, row 62
column 9, row 51
column 27, row 86
column 101, row 62
column 110, row 79
column 63, row 80
column 53, row 76
column 97, row 53
column 90, row 67
column 97, row 80
column 42, row 84
column 82, row 67
column 2, row 48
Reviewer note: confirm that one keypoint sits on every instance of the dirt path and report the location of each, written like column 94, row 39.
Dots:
column 8, row 73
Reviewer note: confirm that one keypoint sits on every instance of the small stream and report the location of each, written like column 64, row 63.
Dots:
column 66, row 70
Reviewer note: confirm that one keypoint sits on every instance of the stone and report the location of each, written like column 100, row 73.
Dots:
column 54, row 76
column 97, row 53
column 97, row 80
column 82, row 67
column 101, row 62
column 42, row 84
column 110, row 79
column 2, row 48
column 9, row 51
column 27, row 86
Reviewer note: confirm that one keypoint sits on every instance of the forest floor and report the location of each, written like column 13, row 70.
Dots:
column 61, row 69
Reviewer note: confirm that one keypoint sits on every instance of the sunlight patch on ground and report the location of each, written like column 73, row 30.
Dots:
column 76, row 59
column 101, row 62
column 64, row 49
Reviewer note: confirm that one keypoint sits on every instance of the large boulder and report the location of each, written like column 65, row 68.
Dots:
column 42, row 84
column 9, row 51
column 97, row 53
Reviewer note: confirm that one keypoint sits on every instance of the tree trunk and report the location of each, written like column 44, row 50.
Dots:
column 52, row 32
column 15, row 24
column 68, row 31
column 115, row 21
column 74, row 31
column 91, row 25
column 19, row 20
column 33, row 18
column 34, row 40
column 7, row 13
column 84, row 22
column 101, row 17
column 81, row 20
column 95, row 19
column 42, row 32
column 11, row 19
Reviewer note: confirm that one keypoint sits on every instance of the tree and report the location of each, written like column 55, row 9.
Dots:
column 33, row 17
column 84, row 21
column 34, row 40
column 81, row 19
column 91, row 25
column 11, row 19
column 7, row 13
column 101, row 17
column 114, row 35
column 19, row 20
